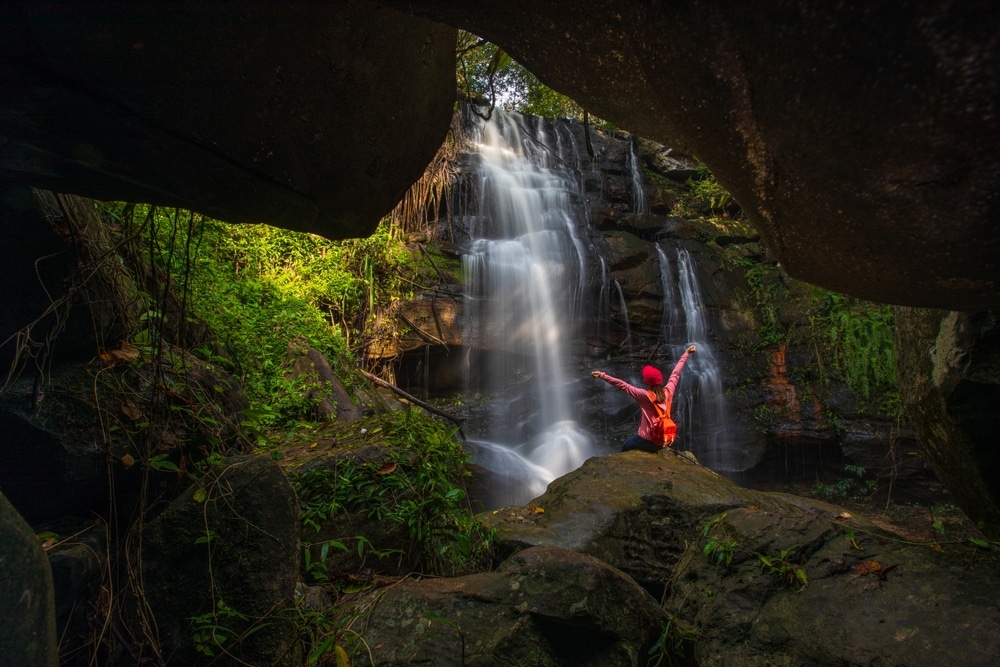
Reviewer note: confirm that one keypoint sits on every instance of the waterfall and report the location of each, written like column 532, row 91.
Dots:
column 700, row 407
column 640, row 202
column 623, row 308
column 525, row 280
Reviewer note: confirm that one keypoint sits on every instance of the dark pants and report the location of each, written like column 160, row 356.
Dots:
column 635, row 442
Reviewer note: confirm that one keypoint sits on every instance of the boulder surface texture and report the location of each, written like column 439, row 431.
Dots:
column 221, row 561
column 544, row 607
column 860, row 140
column 27, row 606
column 299, row 115
column 768, row 578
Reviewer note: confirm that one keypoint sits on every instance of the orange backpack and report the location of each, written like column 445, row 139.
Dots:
column 663, row 429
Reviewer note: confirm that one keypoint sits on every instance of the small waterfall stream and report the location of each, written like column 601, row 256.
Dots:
column 707, row 413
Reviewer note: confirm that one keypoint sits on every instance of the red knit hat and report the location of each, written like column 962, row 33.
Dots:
column 653, row 377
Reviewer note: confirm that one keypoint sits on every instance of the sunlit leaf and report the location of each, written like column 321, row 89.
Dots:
column 129, row 410
column 126, row 353
column 867, row 567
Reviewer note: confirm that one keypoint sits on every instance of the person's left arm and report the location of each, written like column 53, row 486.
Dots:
column 675, row 375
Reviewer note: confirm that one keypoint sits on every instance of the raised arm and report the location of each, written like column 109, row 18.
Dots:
column 634, row 392
column 675, row 375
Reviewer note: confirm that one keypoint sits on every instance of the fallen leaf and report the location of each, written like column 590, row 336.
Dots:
column 129, row 410
column 844, row 515
column 867, row 567
column 127, row 461
column 538, row 510
column 387, row 468
column 126, row 353
column 47, row 537
column 313, row 445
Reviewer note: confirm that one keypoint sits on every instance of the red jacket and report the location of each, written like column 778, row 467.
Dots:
column 641, row 395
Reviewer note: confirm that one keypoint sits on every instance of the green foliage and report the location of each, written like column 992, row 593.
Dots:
column 720, row 545
column 421, row 488
column 853, row 486
column 765, row 288
column 258, row 287
column 791, row 575
column 213, row 630
column 669, row 648
column 707, row 194
column 860, row 340
column 486, row 72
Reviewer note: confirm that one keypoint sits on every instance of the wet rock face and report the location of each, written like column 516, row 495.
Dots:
column 301, row 115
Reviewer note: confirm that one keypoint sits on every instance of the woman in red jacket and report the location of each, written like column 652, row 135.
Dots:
column 654, row 402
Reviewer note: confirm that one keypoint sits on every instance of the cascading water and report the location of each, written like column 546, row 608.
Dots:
column 528, row 297
column 702, row 408
column 640, row 202
column 525, row 279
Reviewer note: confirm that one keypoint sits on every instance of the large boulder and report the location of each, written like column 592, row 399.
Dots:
column 861, row 143
column 27, row 606
column 768, row 578
column 633, row 510
column 800, row 587
column 220, row 564
column 949, row 380
column 296, row 115
column 88, row 432
column 544, row 607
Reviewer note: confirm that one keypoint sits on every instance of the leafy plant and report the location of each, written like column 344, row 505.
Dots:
column 708, row 194
column 859, row 340
column 853, row 486
column 669, row 648
column 213, row 629
column 421, row 487
column 719, row 547
column 789, row 573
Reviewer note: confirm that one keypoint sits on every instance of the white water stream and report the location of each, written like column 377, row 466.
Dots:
column 525, row 278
